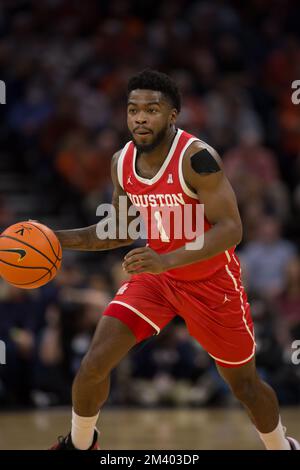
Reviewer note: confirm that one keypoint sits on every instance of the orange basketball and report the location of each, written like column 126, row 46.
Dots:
column 30, row 255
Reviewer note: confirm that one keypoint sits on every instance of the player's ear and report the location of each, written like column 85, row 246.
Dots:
column 173, row 116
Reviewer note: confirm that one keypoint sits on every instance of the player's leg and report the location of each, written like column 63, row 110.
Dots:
column 111, row 342
column 260, row 402
column 139, row 310
column 218, row 315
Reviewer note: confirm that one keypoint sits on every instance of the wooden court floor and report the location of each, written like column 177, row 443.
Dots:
column 144, row 429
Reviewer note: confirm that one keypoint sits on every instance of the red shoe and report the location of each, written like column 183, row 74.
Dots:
column 65, row 443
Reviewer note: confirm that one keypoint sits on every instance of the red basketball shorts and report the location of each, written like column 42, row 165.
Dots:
column 216, row 311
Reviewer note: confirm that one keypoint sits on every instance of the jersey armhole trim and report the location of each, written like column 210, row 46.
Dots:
column 120, row 164
column 184, row 186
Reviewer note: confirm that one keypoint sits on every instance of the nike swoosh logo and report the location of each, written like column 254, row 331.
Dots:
column 19, row 251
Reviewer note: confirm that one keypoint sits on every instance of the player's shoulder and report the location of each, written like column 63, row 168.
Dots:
column 114, row 165
column 115, row 157
column 203, row 158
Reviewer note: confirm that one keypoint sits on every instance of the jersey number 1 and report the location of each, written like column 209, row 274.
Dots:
column 162, row 233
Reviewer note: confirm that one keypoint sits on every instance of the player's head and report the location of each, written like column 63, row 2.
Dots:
column 152, row 107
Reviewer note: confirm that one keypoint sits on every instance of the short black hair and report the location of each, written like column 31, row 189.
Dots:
column 157, row 81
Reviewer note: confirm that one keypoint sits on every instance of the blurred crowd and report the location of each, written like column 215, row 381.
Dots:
column 66, row 64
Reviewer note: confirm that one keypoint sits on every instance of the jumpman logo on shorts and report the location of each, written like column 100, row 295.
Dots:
column 122, row 289
column 226, row 299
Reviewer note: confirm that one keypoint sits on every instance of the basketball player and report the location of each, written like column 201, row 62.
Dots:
column 165, row 166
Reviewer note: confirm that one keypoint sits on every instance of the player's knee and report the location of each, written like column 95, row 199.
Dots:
column 94, row 367
column 245, row 389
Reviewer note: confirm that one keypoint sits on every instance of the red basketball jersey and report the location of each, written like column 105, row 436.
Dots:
column 169, row 207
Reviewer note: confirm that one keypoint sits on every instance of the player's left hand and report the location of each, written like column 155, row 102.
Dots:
column 143, row 260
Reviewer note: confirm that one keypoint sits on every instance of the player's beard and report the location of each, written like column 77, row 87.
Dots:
column 147, row 148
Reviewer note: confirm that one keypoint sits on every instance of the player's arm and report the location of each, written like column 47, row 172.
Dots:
column 203, row 173
column 86, row 238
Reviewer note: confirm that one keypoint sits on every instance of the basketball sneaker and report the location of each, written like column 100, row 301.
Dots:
column 65, row 443
column 293, row 443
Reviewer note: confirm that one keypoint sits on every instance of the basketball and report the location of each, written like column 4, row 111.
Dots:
column 30, row 255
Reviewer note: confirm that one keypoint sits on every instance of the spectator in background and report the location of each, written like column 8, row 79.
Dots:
column 179, row 370
column 289, row 301
column 51, row 380
column 273, row 357
column 7, row 216
column 28, row 115
column 65, row 338
column 79, row 164
column 296, row 197
column 19, row 319
column 229, row 103
column 265, row 259
column 254, row 174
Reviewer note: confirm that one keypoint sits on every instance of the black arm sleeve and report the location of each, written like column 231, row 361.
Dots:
column 204, row 162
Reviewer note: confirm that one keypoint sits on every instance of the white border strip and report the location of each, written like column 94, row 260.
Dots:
column 235, row 260
column 185, row 187
column 241, row 298
column 244, row 320
column 234, row 363
column 137, row 312
column 120, row 164
column 164, row 165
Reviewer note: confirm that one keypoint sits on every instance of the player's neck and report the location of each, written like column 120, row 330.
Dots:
column 159, row 154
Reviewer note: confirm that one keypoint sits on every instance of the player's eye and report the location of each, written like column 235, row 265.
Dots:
column 152, row 110
column 132, row 111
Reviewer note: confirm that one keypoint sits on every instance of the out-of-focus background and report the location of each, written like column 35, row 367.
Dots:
column 66, row 65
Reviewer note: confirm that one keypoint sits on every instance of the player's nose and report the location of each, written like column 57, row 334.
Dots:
column 141, row 118
column 141, row 122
